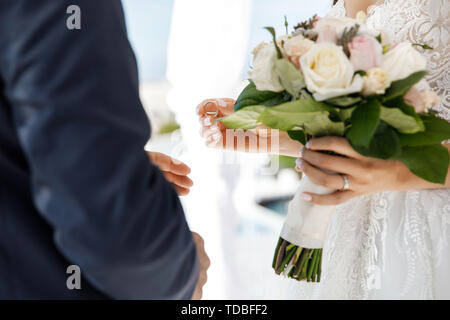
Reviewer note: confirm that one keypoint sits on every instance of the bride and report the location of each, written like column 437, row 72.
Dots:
column 390, row 236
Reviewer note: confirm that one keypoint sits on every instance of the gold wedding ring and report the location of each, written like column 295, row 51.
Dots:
column 211, row 112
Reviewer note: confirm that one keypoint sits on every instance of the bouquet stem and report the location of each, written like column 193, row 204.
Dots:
column 298, row 263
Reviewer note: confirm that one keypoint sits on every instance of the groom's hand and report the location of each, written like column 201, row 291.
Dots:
column 174, row 170
column 204, row 265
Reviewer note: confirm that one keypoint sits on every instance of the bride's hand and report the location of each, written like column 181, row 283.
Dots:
column 216, row 137
column 175, row 171
column 365, row 175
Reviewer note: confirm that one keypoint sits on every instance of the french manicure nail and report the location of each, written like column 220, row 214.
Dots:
column 299, row 163
column 306, row 197
column 216, row 136
column 207, row 122
column 308, row 145
column 302, row 150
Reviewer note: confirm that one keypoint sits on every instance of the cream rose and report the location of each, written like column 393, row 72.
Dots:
column 328, row 72
column 339, row 24
column 296, row 47
column 375, row 82
column 402, row 61
column 263, row 74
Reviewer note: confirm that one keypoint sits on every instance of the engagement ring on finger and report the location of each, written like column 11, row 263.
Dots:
column 346, row 183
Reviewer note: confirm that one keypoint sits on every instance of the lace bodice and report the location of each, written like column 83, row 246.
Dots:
column 393, row 245
column 417, row 21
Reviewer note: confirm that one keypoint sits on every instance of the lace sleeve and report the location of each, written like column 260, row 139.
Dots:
column 424, row 22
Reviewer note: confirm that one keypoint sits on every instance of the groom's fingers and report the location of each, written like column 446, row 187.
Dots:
column 182, row 191
column 166, row 163
column 181, row 181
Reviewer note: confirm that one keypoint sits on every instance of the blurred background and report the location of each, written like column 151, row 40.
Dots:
column 191, row 50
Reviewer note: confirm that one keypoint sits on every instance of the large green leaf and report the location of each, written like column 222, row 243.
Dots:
column 250, row 96
column 307, row 114
column 291, row 78
column 298, row 135
column 384, row 145
column 436, row 131
column 346, row 113
column 427, row 162
column 401, row 87
column 402, row 122
column 364, row 121
column 246, row 118
column 345, row 101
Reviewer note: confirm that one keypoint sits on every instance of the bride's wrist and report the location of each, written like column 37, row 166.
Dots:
column 290, row 149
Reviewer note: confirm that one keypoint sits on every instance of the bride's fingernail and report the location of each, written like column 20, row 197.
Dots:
column 299, row 164
column 216, row 136
column 207, row 122
column 221, row 102
column 306, row 197
column 302, row 151
column 308, row 145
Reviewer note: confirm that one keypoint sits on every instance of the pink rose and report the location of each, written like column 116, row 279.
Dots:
column 327, row 34
column 421, row 100
column 365, row 52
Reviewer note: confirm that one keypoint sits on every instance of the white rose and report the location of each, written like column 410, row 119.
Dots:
column 375, row 82
column 328, row 72
column 402, row 61
column 263, row 75
column 297, row 46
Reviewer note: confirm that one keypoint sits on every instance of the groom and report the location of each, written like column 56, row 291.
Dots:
column 79, row 197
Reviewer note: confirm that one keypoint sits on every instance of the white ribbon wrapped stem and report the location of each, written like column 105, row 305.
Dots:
column 307, row 223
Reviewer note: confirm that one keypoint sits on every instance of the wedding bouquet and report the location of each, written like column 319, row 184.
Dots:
column 334, row 76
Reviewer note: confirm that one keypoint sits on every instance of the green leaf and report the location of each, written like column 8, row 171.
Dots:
column 384, row 145
column 364, row 121
column 346, row 113
column 274, row 37
column 436, row 131
column 344, row 101
column 423, row 46
column 427, row 162
column 401, row 121
column 250, row 96
column 291, row 78
column 379, row 39
column 307, row 114
column 246, row 118
column 298, row 135
column 401, row 87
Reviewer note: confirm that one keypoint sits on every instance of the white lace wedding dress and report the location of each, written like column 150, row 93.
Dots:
column 394, row 245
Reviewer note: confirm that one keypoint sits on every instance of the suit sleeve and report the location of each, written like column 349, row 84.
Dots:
column 75, row 104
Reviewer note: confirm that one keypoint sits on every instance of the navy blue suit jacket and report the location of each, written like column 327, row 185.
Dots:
column 76, row 187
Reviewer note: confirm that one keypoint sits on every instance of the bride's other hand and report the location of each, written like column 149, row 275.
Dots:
column 365, row 175
column 174, row 170
column 216, row 137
